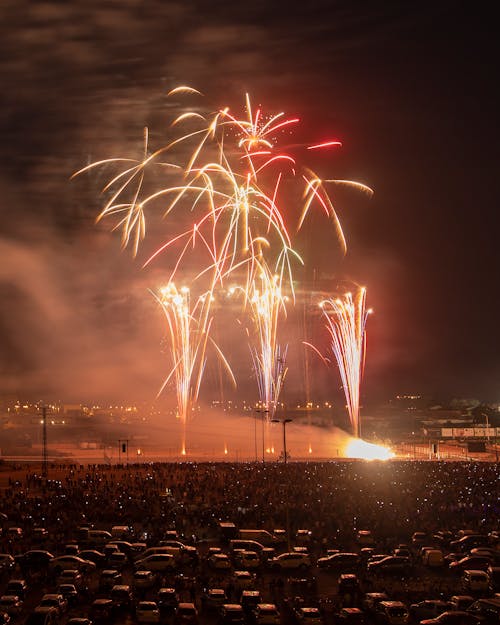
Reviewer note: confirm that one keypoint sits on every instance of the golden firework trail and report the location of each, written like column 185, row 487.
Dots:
column 346, row 321
column 188, row 329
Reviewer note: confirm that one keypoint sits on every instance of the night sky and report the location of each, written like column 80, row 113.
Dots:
column 409, row 89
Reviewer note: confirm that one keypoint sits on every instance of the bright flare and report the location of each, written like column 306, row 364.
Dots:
column 358, row 448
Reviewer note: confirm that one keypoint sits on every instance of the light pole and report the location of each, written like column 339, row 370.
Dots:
column 284, row 422
column 263, row 412
column 45, row 458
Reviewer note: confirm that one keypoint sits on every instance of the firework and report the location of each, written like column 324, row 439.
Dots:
column 188, row 329
column 346, row 320
column 224, row 176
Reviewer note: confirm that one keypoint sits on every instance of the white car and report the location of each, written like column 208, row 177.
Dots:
column 291, row 560
column 147, row 612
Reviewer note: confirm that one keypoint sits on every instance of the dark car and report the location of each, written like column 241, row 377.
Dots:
column 390, row 565
column 340, row 561
column 348, row 616
column 167, row 601
column 473, row 563
column 109, row 578
column 122, row 596
column 213, row 598
column 452, row 617
column 43, row 615
column 101, row 610
column 186, row 613
column 34, row 559
column 429, row 608
column 487, row 610
column 249, row 600
column 232, row 614
column 95, row 556
column 468, row 542
column 69, row 592
column 348, row 583
column 18, row 587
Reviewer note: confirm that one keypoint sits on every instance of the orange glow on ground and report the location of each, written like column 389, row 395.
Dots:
column 358, row 448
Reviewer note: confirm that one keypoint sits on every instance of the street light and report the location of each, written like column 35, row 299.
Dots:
column 284, row 421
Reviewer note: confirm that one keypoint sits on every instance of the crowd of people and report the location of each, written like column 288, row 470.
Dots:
column 332, row 500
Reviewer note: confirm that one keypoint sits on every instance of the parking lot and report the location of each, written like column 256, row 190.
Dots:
column 334, row 542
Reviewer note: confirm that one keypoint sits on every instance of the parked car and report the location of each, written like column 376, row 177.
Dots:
column 392, row 613
column 186, row 614
column 243, row 579
column 108, row 578
column 372, row 599
column 69, row 592
column 494, row 578
column 213, row 599
column 143, row 579
column 433, row 558
column 470, row 562
column 428, row 608
column 117, row 560
column 475, row 581
column 54, row 600
column 43, row 615
column 219, row 561
column 452, row 617
column 95, row 556
column 18, row 587
column 341, row 561
column 350, row 616
column 161, row 562
column 232, row 614
column 390, row 565
column 61, row 563
column 70, row 576
column 266, row 614
column 34, row 559
column 147, row 612
column 167, row 600
column 290, row 560
column 460, row 602
column 11, row 604
column 487, row 610
column 101, row 610
column 308, row 616
column 7, row 562
column 247, row 559
column 122, row 597
column 249, row 599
